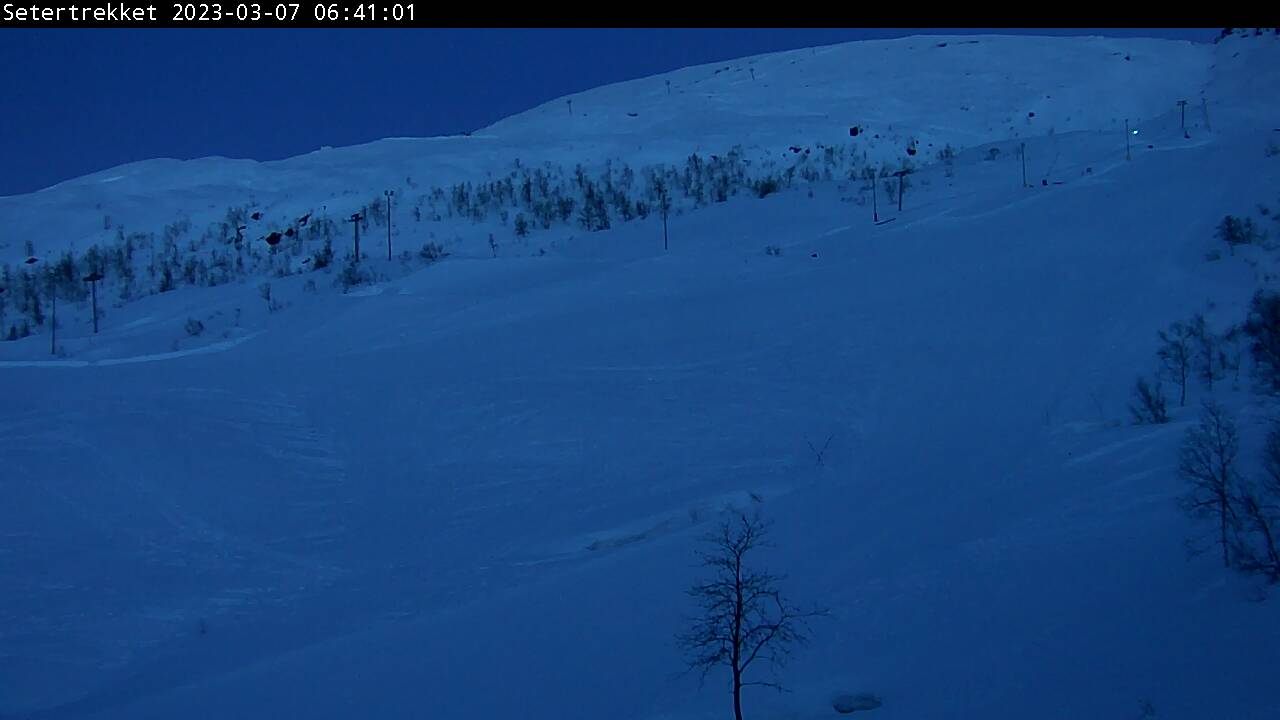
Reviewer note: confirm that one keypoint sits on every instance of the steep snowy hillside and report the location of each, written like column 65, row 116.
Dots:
column 474, row 488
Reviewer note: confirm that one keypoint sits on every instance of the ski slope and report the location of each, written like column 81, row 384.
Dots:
column 475, row 490
column 963, row 90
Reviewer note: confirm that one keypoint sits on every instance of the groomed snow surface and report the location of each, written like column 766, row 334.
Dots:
column 476, row 491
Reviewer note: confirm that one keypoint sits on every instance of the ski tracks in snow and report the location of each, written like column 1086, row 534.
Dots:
column 217, row 347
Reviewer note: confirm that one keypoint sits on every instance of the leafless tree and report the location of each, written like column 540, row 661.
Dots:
column 1207, row 461
column 820, row 454
column 1206, row 352
column 1258, row 551
column 1176, row 353
column 1230, row 353
column 664, row 205
column 744, row 620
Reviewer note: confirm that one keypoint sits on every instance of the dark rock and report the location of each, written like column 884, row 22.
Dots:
column 845, row 704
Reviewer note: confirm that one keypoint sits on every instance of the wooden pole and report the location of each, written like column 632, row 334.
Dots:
column 92, row 278
column 355, row 227
column 1127, row 155
column 53, row 318
column 1022, row 153
column 875, row 204
column 664, row 204
column 902, row 182
column 389, row 193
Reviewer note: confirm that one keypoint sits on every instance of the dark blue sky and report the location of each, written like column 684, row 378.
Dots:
column 78, row 101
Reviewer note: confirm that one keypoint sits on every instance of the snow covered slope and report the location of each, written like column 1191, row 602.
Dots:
column 474, row 490
column 962, row 91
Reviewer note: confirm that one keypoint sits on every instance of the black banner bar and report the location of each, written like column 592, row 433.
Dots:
column 219, row 13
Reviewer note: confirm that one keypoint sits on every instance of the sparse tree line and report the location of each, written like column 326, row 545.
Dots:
column 1246, row 32
column 543, row 197
column 1244, row 507
column 526, row 199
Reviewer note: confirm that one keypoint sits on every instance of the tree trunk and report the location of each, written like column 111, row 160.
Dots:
column 736, row 656
column 1223, row 500
column 1263, row 526
column 737, row 695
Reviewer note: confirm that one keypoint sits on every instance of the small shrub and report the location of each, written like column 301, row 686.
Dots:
column 431, row 252
column 1235, row 231
column 350, row 276
column 193, row 327
column 766, row 187
column 772, row 250
column 947, row 156
column 1148, row 405
column 323, row 258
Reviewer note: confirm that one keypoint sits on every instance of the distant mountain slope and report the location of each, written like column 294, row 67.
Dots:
column 931, row 90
